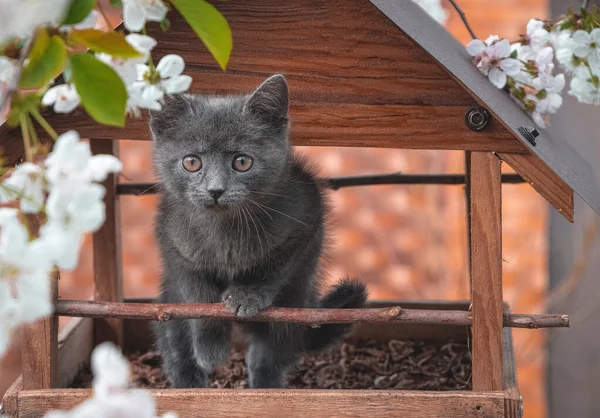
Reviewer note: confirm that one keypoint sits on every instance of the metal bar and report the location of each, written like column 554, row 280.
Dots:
column 165, row 312
column 336, row 183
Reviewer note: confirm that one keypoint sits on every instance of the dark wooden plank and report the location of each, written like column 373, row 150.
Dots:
column 196, row 403
column 108, row 280
column 39, row 347
column 544, row 180
column 486, row 268
column 347, row 125
column 75, row 343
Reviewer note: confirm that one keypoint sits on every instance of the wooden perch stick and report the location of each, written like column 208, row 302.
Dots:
column 336, row 183
column 165, row 312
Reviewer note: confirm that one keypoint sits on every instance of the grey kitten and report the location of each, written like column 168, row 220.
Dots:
column 240, row 221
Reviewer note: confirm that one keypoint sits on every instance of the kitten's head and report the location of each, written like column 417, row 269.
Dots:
column 219, row 152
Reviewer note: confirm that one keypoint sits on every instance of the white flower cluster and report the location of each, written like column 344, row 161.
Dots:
column 64, row 190
column 578, row 51
column 112, row 396
column 146, row 85
column 525, row 68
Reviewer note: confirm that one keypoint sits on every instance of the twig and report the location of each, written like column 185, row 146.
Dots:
column 463, row 17
column 336, row 183
column 314, row 317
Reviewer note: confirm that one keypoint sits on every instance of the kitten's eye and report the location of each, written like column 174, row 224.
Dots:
column 242, row 163
column 192, row 163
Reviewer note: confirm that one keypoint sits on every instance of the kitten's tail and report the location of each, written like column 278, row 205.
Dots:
column 347, row 294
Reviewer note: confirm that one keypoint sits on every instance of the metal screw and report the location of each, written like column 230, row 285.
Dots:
column 477, row 118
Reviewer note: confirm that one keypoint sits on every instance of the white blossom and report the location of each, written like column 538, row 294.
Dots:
column 549, row 98
column 537, row 36
column 72, row 159
column 587, row 45
column 170, row 80
column 111, row 396
column 64, row 97
column 126, row 68
column 20, row 18
column 585, row 87
column 26, row 183
column 434, row 9
column 137, row 12
column 73, row 208
column 24, row 276
column 142, row 98
column 493, row 60
column 151, row 86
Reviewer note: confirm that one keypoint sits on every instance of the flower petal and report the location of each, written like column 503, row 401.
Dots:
column 177, row 84
column 142, row 43
column 156, row 11
column 52, row 94
column 581, row 43
column 510, row 66
column 534, row 25
column 170, row 66
column 500, row 49
column 497, row 77
column 66, row 104
column 134, row 16
column 595, row 36
column 475, row 47
column 101, row 165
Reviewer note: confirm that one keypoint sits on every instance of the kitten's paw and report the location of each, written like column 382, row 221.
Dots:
column 246, row 300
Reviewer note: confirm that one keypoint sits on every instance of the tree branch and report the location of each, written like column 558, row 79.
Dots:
column 336, row 183
column 464, row 18
column 313, row 317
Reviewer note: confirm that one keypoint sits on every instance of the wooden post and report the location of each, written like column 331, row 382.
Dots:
column 486, row 268
column 39, row 349
column 108, row 281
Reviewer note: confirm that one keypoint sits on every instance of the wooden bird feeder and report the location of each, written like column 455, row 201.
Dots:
column 362, row 73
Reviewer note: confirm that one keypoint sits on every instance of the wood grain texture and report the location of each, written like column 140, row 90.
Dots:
column 544, row 180
column 355, row 78
column 196, row 403
column 108, row 277
column 10, row 401
column 75, row 343
column 39, row 348
column 486, row 269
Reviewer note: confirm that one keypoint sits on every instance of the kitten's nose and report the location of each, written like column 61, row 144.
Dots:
column 216, row 193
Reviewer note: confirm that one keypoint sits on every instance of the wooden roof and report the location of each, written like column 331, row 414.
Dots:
column 549, row 156
column 369, row 75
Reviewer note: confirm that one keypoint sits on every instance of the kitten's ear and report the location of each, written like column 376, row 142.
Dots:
column 174, row 107
column 270, row 100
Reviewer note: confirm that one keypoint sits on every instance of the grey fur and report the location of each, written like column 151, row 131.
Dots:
column 258, row 245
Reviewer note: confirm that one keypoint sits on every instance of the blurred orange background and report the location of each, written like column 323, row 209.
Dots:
column 406, row 242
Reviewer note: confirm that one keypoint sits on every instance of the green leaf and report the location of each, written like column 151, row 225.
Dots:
column 567, row 24
column 79, row 10
column 100, row 88
column 514, row 54
column 112, row 43
column 46, row 61
column 165, row 24
column 116, row 3
column 210, row 25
